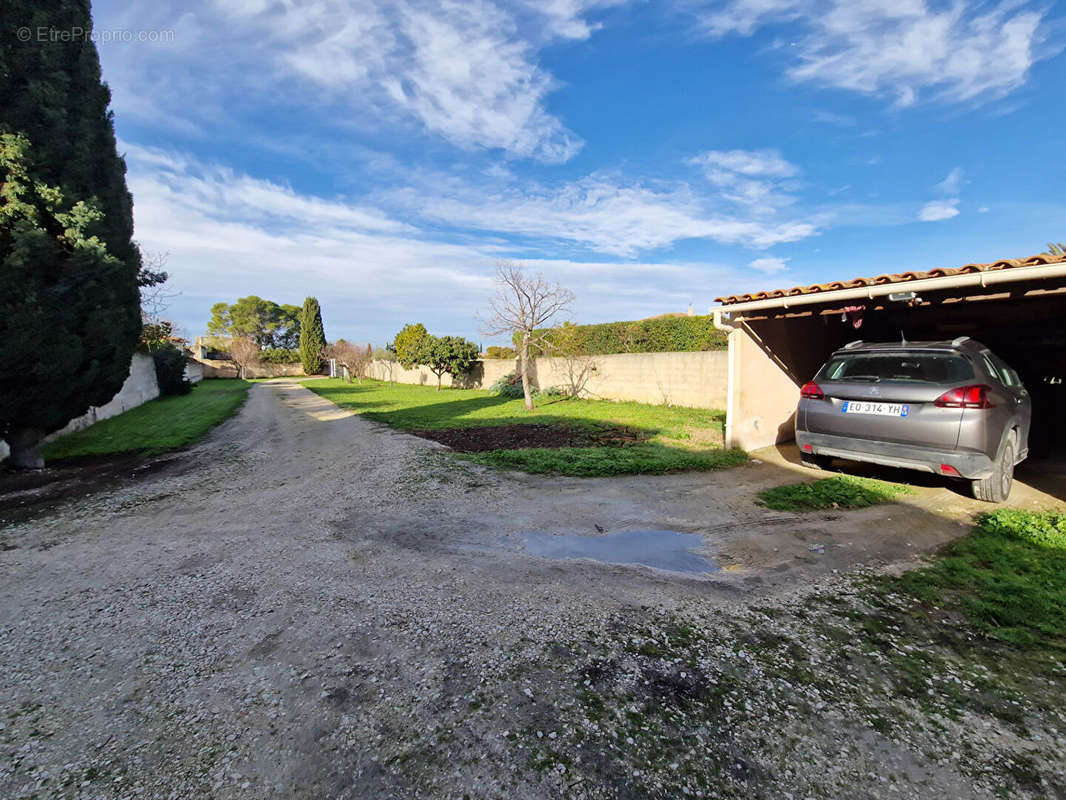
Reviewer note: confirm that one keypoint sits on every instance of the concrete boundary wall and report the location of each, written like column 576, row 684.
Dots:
column 695, row 379
column 211, row 368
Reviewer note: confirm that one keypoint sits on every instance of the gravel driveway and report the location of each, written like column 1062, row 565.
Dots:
column 317, row 606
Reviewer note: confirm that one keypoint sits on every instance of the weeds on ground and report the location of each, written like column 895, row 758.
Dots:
column 840, row 491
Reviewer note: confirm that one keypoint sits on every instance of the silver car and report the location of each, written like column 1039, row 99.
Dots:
column 951, row 408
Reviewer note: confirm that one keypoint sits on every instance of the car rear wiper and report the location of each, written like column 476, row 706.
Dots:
column 872, row 378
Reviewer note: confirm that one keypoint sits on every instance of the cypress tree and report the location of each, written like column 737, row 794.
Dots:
column 312, row 337
column 69, row 298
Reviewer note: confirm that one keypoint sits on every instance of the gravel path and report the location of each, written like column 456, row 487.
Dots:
column 323, row 607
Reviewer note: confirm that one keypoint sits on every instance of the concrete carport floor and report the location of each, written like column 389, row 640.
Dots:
column 780, row 339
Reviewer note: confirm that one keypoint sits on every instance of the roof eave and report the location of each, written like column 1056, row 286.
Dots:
column 972, row 279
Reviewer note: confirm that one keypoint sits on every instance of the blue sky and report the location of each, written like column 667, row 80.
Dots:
column 383, row 155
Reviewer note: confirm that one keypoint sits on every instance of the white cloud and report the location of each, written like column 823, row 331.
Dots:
column 755, row 163
column 832, row 118
column 770, row 264
column 749, row 177
column 746, row 16
column 952, row 183
column 599, row 212
column 983, row 210
column 939, row 210
column 903, row 48
column 466, row 71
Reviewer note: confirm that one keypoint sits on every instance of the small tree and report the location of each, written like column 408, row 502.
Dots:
column 565, row 342
column 523, row 305
column 244, row 353
column 408, row 343
column 452, row 354
column 1056, row 249
column 364, row 358
column 353, row 358
column 312, row 337
column 387, row 356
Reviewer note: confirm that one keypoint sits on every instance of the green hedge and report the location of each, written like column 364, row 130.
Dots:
column 279, row 356
column 500, row 352
column 658, row 335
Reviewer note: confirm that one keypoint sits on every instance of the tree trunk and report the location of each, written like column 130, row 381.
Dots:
column 525, row 371
column 25, row 444
column 439, row 376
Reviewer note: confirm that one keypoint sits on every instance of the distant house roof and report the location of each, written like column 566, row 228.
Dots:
column 901, row 277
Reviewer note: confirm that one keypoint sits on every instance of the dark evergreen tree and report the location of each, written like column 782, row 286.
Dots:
column 312, row 337
column 69, row 269
column 170, row 364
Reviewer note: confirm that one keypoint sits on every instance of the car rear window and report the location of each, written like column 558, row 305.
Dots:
column 909, row 367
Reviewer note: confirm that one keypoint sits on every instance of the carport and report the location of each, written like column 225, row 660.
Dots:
column 779, row 339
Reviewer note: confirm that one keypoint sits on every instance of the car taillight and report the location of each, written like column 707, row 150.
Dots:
column 812, row 391
column 965, row 397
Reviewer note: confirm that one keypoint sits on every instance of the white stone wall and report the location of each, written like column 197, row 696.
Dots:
column 194, row 371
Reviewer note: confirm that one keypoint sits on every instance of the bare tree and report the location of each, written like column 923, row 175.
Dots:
column 243, row 352
column 353, row 358
column 524, row 304
column 565, row 343
column 152, row 279
column 385, row 356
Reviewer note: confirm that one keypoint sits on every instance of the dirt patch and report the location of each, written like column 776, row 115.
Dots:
column 516, row 437
column 25, row 488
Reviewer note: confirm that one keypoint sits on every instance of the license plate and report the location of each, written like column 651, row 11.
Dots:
column 880, row 409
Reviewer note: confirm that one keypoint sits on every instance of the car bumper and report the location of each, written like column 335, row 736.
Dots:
column 968, row 464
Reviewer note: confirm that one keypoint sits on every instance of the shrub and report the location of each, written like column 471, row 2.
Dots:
column 170, row 370
column 500, row 352
column 657, row 335
column 280, row 355
column 156, row 334
column 510, row 386
column 1047, row 528
column 556, row 391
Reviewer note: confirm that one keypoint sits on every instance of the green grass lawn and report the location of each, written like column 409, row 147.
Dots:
column 158, row 426
column 670, row 438
column 840, row 491
column 1008, row 577
column 646, row 458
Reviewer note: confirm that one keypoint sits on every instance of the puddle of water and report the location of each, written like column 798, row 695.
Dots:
column 668, row 550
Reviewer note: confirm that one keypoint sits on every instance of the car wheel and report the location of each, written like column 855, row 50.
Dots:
column 815, row 461
column 996, row 487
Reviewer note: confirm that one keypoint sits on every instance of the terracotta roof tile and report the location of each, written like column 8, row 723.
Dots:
column 902, row 277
